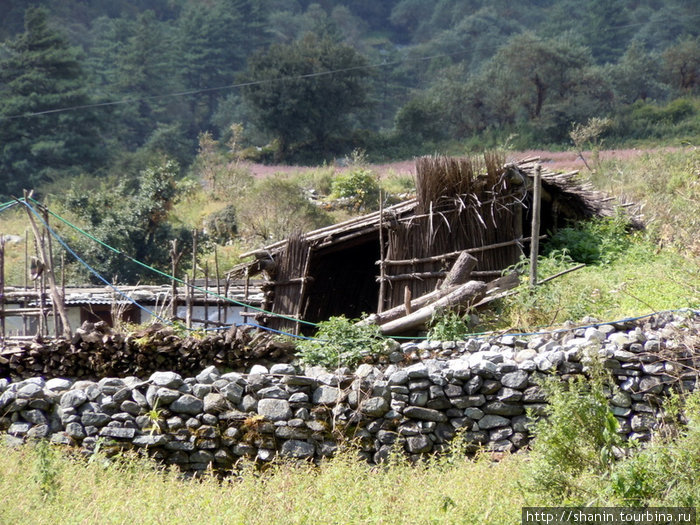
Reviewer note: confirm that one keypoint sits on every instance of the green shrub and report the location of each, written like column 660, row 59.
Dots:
column 341, row 342
column 667, row 471
column 597, row 241
column 578, row 435
column 222, row 225
column 448, row 326
column 360, row 186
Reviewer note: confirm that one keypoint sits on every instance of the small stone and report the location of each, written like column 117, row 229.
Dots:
column 116, row 432
column 187, row 404
column 214, row 403
column 75, row 430
column 259, row 369
column 424, row 414
column 283, row 369
column 73, row 398
column 516, row 380
column 57, row 384
column 326, row 395
column 208, row 375
column 375, row 407
column 274, row 409
column 148, row 440
column 419, row 444
column 297, row 449
column 166, row 379
column 490, row 421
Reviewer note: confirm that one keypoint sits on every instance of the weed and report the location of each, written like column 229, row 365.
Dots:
column 578, row 435
column 448, row 326
column 46, row 470
column 339, row 342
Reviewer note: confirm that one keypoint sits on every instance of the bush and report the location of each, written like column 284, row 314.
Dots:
column 448, row 326
column 578, row 435
column 341, row 342
column 360, row 187
column 597, row 241
column 221, row 225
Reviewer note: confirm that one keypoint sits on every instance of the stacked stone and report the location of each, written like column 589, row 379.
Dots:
column 482, row 390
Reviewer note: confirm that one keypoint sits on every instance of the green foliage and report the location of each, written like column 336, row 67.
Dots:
column 341, row 342
column 360, row 186
column 448, row 326
column 40, row 71
column 133, row 220
column 577, row 435
column 306, row 116
column 222, row 225
column 596, row 241
column 275, row 207
column 46, row 470
column 667, row 470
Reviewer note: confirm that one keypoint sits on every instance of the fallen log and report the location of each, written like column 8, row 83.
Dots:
column 468, row 292
column 460, row 271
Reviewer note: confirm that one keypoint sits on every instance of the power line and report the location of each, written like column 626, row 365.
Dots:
column 231, row 86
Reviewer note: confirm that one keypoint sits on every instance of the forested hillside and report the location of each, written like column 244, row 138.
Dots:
column 105, row 87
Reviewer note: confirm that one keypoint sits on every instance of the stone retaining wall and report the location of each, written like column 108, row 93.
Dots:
column 482, row 388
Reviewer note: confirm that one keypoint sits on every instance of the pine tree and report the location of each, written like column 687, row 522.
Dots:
column 40, row 74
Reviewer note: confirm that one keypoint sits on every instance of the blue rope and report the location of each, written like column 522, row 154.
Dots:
column 92, row 270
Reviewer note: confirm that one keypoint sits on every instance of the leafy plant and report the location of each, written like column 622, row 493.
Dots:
column 340, row 341
column 46, row 470
column 597, row 241
column 578, row 434
column 360, row 186
column 448, row 326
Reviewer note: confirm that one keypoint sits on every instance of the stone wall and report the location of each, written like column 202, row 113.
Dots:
column 483, row 388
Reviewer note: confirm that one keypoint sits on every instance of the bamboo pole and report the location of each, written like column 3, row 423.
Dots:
column 26, row 276
column 305, row 278
column 535, row 233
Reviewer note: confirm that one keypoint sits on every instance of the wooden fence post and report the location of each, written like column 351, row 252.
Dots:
column 535, row 234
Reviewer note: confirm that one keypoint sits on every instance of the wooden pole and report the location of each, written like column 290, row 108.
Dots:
column 382, row 269
column 26, row 277
column 55, row 295
column 194, row 277
column 2, row 291
column 218, row 285
column 535, row 233
column 188, row 302
column 206, row 295
column 54, row 306
column 174, row 260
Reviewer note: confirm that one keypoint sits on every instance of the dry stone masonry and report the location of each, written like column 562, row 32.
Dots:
column 418, row 401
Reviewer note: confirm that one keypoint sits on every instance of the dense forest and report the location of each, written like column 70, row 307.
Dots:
column 102, row 88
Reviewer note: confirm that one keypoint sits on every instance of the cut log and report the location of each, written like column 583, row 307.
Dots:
column 460, row 271
column 468, row 292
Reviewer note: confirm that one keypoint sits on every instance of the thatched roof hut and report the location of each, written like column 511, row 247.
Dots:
column 373, row 262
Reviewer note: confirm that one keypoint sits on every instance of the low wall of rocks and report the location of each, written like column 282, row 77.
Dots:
column 483, row 388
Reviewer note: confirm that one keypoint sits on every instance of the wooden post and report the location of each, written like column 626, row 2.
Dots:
column 194, row 277
column 174, row 260
column 535, row 234
column 54, row 306
column 302, row 291
column 206, row 295
column 55, row 295
column 2, row 291
column 188, row 302
column 218, row 286
column 25, row 302
column 382, row 269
